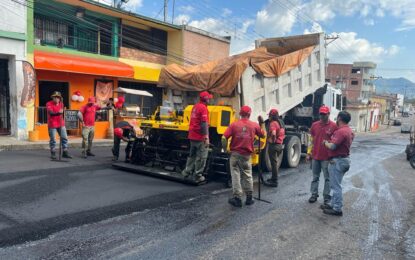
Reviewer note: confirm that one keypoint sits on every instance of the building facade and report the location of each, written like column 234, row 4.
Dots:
column 16, row 97
column 84, row 48
column 356, row 80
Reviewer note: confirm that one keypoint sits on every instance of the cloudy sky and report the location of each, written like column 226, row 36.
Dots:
column 382, row 31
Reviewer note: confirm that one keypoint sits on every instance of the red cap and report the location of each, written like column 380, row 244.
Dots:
column 273, row 112
column 205, row 95
column 91, row 100
column 118, row 132
column 324, row 110
column 245, row 111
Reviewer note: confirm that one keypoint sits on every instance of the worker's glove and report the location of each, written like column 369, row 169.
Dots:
column 206, row 141
column 260, row 120
column 131, row 140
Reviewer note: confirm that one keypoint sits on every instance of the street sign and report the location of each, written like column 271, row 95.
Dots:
column 71, row 119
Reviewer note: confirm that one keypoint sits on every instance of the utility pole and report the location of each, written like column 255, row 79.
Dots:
column 172, row 17
column 327, row 40
column 165, row 10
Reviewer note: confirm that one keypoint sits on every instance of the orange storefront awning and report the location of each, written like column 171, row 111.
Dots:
column 83, row 65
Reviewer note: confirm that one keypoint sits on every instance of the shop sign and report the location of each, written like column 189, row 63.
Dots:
column 71, row 119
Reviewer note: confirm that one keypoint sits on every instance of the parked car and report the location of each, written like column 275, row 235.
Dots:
column 406, row 128
column 397, row 122
column 405, row 114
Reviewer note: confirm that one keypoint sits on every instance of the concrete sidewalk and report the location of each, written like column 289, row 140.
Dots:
column 8, row 143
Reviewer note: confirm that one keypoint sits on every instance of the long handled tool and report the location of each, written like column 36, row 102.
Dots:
column 260, row 178
column 60, row 137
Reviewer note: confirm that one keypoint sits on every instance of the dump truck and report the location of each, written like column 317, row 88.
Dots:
column 286, row 73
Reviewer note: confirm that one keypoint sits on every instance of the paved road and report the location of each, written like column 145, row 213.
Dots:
column 197, row 223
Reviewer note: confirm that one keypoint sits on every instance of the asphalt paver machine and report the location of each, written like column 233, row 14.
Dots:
column 164, row 148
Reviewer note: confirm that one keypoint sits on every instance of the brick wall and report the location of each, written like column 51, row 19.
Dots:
column 199, row 48
column 134, row 54
column 342, row 73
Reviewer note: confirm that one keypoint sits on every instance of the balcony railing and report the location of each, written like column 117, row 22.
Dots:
column 42, row 115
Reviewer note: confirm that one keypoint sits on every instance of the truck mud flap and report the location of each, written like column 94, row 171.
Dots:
column 156, row 172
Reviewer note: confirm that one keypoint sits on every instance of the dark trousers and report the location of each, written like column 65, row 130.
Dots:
column 274, row 151
column 116, row 148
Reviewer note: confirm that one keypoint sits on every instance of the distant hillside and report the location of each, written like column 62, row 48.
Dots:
column 396, row 85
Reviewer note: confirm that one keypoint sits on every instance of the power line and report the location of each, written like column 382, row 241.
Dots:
column 67, row 13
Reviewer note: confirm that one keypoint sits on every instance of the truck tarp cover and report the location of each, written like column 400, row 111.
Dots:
column 222, row 76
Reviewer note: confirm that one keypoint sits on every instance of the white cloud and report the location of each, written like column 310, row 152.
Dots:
column 133, row 4
column 226, row 12
column 316, row 28
column 393, row 50
column 130, row 5
column 186, row 9
column 369, row 22
column 275, row 20
column 349, row 48
column 181, row 19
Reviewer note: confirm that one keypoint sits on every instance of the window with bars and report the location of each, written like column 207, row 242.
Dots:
column 53, row 32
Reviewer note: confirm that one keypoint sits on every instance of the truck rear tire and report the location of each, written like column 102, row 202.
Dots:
column 292, row 151
column 266, row 162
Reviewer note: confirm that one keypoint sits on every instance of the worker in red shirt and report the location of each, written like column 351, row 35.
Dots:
column 199, row 139
column 56, row 123
column 242, row 134
column 123, row 131
column 339, row 151
column 87, row 117
column 320, row 130
column 276, row 135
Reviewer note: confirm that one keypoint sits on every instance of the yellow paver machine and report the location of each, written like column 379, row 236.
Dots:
column 164, row 148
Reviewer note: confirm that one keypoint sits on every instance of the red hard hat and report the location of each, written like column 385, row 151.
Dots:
column 91, row 100
column 245, row 111
column 118, row 132
column 205, row 95
column 273, row 112
column 324, row 110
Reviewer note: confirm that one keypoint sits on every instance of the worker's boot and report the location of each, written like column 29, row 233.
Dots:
column 249, row 199
column 271, row 183
column 313, row 198
column 114, row 158
column 84, row 155
column 53, row 155
column 65, row 154
column 88, row 153
column 199, row 178
column 235, row 201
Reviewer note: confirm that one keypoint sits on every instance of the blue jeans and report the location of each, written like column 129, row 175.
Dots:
column 319, row 166
column 62, row 134
column 337, row 168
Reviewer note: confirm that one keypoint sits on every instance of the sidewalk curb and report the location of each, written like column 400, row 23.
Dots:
column 45, row 146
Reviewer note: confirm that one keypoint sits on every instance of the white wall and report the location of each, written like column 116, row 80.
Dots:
column 13, row 19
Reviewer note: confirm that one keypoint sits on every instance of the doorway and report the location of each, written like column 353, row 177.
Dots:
column 4, row 98
column 46, row 89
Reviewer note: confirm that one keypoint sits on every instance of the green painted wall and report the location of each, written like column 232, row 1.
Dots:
column 13, row 35
column 73, row 52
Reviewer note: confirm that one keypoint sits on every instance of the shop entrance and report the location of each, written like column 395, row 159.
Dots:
column 149, row 103
column 4, row 98
column 46, row 88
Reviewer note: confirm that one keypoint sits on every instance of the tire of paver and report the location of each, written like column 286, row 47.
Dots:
column 292, row 151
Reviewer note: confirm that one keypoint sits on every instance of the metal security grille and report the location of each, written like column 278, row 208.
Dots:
column 4, row 98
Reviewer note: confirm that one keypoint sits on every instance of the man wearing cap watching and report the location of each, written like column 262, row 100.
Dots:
column 339, row 162
column 56, row 123
column 276, row 135
column 320, row 130
column 199, row 139
column 87, row 117
column 243, row 133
